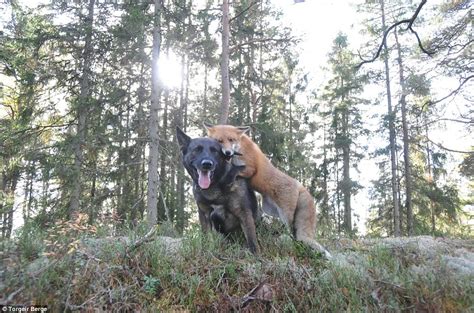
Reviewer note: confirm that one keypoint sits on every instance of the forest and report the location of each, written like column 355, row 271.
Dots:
column 86, row 124
column 91, row 93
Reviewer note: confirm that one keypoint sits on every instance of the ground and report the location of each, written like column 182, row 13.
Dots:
column 201, row 272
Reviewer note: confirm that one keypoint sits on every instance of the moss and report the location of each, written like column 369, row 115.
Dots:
column 212, row 273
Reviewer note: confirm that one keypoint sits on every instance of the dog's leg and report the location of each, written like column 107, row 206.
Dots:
column 248, row 227
column 204, row 212
column 269, row 206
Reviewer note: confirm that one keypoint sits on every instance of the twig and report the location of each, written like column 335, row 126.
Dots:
column 389, row 284
column 10, row 297
column 147, row 238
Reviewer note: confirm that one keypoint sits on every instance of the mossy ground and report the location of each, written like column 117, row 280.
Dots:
column 86, row 270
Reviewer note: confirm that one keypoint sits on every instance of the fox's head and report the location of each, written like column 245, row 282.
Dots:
column 228, row 136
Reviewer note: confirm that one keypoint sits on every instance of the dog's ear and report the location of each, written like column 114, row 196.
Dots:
column 243, row 129
column 183, row 139
column 208, row 127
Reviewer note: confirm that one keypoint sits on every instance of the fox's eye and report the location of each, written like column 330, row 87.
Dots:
column 220, row 140
column 230, row 139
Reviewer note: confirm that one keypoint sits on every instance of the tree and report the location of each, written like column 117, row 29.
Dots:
column 24, row 54
column 153, row 177
column 341, row 95
column 391, row 129
column 224, row 114
column 406, row 144
column 83, row 103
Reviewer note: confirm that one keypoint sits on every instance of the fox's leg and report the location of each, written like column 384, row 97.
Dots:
column 313, row 244
column 286, row 201
column 249, row 170
column 305, row 222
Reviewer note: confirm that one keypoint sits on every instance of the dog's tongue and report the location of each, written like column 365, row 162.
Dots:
column 204, row 179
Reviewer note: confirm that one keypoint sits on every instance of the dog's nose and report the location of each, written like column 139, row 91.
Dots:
column 228, row 153
column 206, row 164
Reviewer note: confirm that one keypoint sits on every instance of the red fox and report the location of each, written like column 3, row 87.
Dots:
column 283, row 196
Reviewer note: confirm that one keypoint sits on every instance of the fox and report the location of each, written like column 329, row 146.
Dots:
column 283, row 196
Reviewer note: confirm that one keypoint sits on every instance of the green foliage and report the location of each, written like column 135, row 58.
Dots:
column 467, row 165
column 151, row 284
column 42, row 50
column 343, row 132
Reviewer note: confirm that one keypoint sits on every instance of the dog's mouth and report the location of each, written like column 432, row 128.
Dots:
column 204, row 179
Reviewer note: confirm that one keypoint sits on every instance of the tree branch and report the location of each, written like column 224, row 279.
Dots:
column 244, row 10
column 455, row 91
column 448, row 149
column 257, row 41
column 420, row 45
column 147, row 238
column 410, row 22
column 415, row 15
column 454, row 120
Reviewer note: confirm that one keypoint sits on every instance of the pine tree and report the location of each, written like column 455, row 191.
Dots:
column 341, row 95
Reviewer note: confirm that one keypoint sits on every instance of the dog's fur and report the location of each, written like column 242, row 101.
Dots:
column 225, row 201
column 283, row 196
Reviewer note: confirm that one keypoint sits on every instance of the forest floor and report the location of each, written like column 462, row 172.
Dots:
column 75, row 267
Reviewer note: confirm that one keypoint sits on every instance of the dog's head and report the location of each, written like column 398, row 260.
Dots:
column 202, row 158
column 228, row 136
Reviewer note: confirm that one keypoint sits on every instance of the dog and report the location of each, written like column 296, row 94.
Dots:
column 283, row 196
column 225, row 201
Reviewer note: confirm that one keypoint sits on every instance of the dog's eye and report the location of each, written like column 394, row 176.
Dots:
column 198, row 149
column 214, row 150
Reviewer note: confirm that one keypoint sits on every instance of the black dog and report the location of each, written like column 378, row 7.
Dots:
column 225, row 201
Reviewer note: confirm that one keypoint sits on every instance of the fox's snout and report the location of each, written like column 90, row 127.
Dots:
column 228, row 152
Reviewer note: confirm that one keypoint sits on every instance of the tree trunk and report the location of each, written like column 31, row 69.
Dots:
column 182, row 119
column 3, row 203
column 204, row 98
column 290, row 126
column 346, row 178
column 139, row 172
column 406, row 148
column 164, row 165
column 224, row 114
column 83, row 106
column 325, row 172
column 153, row 178
column 391, row 129
column 431, row 179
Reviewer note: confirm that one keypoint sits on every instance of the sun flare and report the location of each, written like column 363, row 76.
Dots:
column 170, row 70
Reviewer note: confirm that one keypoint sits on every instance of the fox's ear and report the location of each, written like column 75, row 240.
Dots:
column 208, row 126
column 183, row 139
column 243, row 129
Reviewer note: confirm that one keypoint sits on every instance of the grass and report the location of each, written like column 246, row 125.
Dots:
column 210, row 273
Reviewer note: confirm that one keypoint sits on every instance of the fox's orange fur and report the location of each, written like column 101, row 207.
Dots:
column 294, row 204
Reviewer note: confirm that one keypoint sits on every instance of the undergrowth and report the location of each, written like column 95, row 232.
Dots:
column 78, row 267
